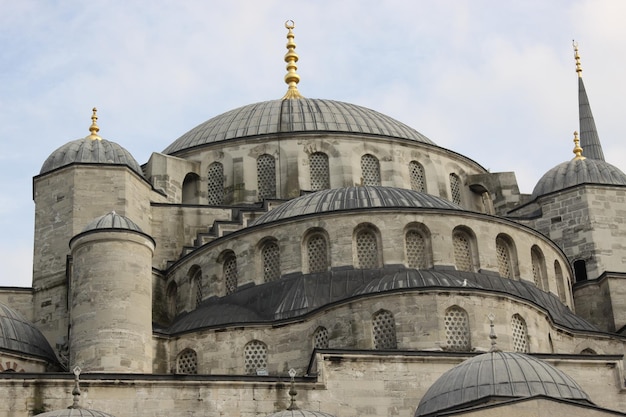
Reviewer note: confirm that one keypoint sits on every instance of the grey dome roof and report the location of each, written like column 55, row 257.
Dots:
column 350, row 198
column 18, row 335
column 299, row 413
column 88, row 151
column 294, row 116
column 112, row 220
column 578, row 171
column 498, row 374
column 74, row 412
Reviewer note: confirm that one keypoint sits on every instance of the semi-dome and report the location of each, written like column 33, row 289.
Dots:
column 350, row 198
column 578, row 171
column 494, row 375
column 112, row 220
column 294, row 116
column 18, row 335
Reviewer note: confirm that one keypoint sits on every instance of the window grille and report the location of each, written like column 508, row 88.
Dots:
column 384, row 329
column 456, row 324
column 318, row 253
column 255, row 357
column 520, row 334
column 271, row 261
column 504, row 259
column 418, row 180
column 367, row 249
column 370, row 169
column 462, row 251
column 266, row 176
column 455, row 188
column 320, row 338
column 537, row 264
column 215, row 180
column 230, row 274
column 319, row 171
column 198, row 286
column 415, row 250
column 187, row 362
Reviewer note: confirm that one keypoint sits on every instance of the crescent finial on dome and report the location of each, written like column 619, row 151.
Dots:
column 578, row 150
column 291, row 78
column 94, row 129
column 579, row 69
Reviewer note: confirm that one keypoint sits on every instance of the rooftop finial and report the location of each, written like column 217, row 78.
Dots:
column 76, row 390
column 291, row 78
column 292, row 390
column 578, row 151
column 579, row 69
column 94, row 129
column 492, row 333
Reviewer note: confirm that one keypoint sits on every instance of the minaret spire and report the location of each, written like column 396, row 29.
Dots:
column 589, row 139
column 291, row 78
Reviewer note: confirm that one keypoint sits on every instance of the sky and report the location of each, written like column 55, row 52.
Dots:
column 493, row 80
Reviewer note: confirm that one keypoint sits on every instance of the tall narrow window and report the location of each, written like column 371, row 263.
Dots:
column 271, row 261
column 367, row 249
column 560, row 284
column 215, row 181
column 320, row 338
column 456, row 323
column 266, row 176
column 230, row 273
column 196, row 284
column 384, row 330
column 317, row 253
column 416, row 250
column 539, row 268
column 455, row 188
column 418, row 180
column 503, row 253
column 580, row 270
column 255, row 357
column 462, row 244
column 187, row 362
column 319, row 171
column 370, row 170
column 172, row 300
column 520, row 334
column 190, row 188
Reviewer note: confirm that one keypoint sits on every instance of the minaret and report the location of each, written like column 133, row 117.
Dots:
column 589, row 139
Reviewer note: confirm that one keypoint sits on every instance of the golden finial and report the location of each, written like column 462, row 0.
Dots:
column 94, row 129
column 578, row 151
column 291, row 78
column 579, row 69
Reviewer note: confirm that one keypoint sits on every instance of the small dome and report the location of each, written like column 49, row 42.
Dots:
column 498, row 374
column 88, row 151
column 299, row 413
column 112, row 220
column 351, row 198
column 74, row 412
column 18, row 335
column 578, row 171
column 294, row 116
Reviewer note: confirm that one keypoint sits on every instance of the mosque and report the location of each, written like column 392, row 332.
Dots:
column 310, row 257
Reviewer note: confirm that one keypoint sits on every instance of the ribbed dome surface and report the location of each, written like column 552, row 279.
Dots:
column 350, row 198
column 498, row 374
column 299, row 413
column 18, row 335
column 74, row 412
column 112, row 220
column 292, row 116
column 578, row 171
column 89, row 151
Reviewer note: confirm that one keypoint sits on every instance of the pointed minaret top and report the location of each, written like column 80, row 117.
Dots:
column 578, row 151
column 94, row 129
column 291, row 78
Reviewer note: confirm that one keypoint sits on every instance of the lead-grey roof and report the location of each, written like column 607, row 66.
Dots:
column 18, row 335
column 74, row 412
column 498, row 374
column 88, row 151
column 112, row 220
column 576, row 172
column 299, row 413
column 350, row 198
column 299, row 294
column 293, row 116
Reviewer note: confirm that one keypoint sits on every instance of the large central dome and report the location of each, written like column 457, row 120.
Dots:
column 294, row 116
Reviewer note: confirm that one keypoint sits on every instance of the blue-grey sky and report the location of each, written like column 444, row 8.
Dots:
column 493, row 80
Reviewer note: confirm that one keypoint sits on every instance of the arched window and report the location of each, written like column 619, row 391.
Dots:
column 190, row 188
column 319, row 171
column 366, row 244
column 196, row 285
column 230, row 273
column 370, row 170
column 215, row 184
column 271, row 261
column 384, row 330
column 418, row 179
column 266, row 176
column 456, row 323
column 519, row 333
column 187, row 362
column 417, row 249
column 320, row 338
column 172, row 300
column 588, row 351
column 317, row 253
column 580, row 270
column 462, row 243
column 560, row 284
column 255, row 357
column 455, row 188
column 503, row 252
column 539, row 268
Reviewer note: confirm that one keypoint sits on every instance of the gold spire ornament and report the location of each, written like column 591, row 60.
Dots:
column 578, row 151
column 579, row 69
column 94, row 129
column 291, row 78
